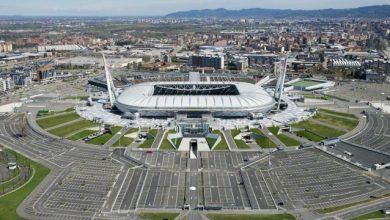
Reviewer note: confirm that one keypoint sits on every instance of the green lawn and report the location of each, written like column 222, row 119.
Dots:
column 70, row 128
column 289, row 142
column 125, row 141
column 235, row 132
column 317, row 96
column 159, row 216
column 148, row 142
column 340, row 207
column 240, row 143
column 82, row 97
column 165, row 144
column 250, row 217
column 309, row 136
column 56, row 120
column 342, row 114
column 101, row 140
column 344, row 123
column 222, row 144
column 10, row 202
column 372, row 215
column 264, row 141
column 211, row 142
column 46, row 112
column 305, row 83
column 80, row 135
column 316, row 132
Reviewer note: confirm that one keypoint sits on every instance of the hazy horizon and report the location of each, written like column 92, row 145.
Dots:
column 148, row 7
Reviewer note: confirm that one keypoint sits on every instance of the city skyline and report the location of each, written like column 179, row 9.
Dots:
column 146, row 8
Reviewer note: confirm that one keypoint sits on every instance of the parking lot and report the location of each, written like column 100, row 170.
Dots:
column 377, row 132
column 314, row 179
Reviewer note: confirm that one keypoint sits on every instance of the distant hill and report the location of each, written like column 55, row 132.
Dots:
column 377, row 11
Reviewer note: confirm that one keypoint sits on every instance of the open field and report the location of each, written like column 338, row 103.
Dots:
column 289, row 142
column 10, row 202
column 101, row 140
column 159, row 216
column 264, row 141
column 250, row 217
column 56, row 120
column 69, row 128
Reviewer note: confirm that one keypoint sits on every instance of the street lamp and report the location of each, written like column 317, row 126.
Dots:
column 269, row 156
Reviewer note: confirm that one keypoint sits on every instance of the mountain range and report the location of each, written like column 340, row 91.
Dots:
column 376, row 11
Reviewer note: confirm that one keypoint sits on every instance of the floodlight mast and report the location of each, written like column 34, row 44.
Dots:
column 280, row 83
column 110, row 83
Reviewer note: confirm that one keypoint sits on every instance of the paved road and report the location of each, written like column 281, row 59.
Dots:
column 116, row 137
column 158, row 139
column 229, row 139
column 272, row 137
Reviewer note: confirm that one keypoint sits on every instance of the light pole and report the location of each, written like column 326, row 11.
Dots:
column 269, row 156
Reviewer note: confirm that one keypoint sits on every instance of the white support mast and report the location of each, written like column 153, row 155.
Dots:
column 280, row 83
column 110, row 83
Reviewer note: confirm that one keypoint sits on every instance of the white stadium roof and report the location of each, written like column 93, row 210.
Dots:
column 142, row 96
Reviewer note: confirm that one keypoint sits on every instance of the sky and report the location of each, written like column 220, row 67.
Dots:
column 160, row 7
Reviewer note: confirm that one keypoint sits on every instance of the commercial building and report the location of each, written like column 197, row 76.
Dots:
column 5, row 47
column 217, row 62
column 6, row 84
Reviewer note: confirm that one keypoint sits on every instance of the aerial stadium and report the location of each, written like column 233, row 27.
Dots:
column 220, row 99
column 194, row 97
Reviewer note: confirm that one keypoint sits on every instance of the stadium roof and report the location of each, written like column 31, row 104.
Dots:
column 145, row 97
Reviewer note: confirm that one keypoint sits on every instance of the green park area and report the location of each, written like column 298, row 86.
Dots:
column 81, row 97
column 159, row 216
column 288, row 141
column 222, row 145
column 348, row 122
column 102, row 139
column 48, row 122
column 284, row 216
column 149, row 142
column 44, row 112
column 166, row 145
column 344, row 206
column 9, row 202
column 342, row 114
column 326, row 124
column 81, row 134
column 305, row 83
column 240, row 143
column 72, row 127
column 372, row 215
column 316, row 132
column 264, row 141
column 125, row 141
